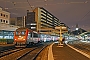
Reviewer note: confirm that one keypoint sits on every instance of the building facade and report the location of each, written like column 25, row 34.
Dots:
column 5, row 21
column 41, row 20
column 4, row 16
column 13, row 21
column 18, row 21
column 45, row 19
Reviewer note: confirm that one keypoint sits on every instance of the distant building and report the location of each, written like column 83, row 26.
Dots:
column 79, row 31
column 4, row 16
column 5, row 23
column 30, row 21
column 18, row 21
column 13, row 21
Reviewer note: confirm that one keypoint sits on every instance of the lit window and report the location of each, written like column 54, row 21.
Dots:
column 33, row 27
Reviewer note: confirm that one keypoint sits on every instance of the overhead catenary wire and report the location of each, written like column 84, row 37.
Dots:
column 85, row 15
column 30, row 5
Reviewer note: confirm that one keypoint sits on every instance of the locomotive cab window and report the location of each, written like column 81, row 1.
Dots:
column 20, row 32
column 16, row 32
column 23, row 33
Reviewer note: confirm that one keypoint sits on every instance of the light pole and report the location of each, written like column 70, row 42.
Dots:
column 60, row 40
column 61, row 28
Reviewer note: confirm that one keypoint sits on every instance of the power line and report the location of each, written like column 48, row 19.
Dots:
column 85, row 15
column 30, row 5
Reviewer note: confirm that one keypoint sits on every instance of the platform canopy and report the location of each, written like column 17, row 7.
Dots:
column 8, row 27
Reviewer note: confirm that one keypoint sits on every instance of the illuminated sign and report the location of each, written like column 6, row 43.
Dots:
column 63, row 28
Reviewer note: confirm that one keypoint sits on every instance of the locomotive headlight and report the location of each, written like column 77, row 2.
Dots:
column 23, row 39
column 19, row 36
column 15, row 39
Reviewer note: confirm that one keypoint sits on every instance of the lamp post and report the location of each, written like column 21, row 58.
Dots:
column 61, row 28
column 60, row 40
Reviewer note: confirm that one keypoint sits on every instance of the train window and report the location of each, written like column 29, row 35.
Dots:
column 30, row 34
column 35, row 35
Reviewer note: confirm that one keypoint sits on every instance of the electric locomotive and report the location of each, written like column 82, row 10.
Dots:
column 24, row 36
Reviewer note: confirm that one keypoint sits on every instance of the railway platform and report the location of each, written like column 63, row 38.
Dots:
column 65, row 53
column 5, row 45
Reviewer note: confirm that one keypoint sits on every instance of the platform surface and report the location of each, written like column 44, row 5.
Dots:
column 66, row 53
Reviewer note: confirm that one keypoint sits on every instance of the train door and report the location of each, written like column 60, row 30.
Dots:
column 29, row 38
column 35, row 38
column 39, row 38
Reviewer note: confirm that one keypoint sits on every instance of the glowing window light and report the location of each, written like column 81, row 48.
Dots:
column 33, row 27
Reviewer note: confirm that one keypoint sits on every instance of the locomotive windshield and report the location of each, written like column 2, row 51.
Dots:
column 20, row 32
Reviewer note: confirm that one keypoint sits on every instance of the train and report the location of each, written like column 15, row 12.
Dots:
column 24, row 36
column 6, row 37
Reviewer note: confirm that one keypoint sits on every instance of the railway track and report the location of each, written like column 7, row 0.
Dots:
column 82, row 46
column 22, row 53
column 9, row 51
column 32, row 54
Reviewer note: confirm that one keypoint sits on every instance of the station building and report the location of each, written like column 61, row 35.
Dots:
column 41, row 20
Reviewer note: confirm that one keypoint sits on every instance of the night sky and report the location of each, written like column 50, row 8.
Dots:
column 70, row 12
